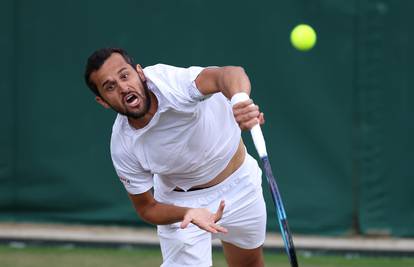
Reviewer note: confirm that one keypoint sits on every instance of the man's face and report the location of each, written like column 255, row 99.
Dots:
column 121, row 87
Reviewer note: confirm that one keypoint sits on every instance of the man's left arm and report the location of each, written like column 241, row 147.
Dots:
column 230, row 80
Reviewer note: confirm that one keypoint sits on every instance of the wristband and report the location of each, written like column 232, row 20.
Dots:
column 239, row 97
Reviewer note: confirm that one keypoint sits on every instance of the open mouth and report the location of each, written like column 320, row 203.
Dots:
column 131, row 100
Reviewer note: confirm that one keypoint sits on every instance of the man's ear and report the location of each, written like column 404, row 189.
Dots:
column 102, row 102
column 141, row 73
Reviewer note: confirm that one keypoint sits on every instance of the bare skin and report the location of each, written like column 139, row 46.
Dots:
column 238, row 257
column 123, row 89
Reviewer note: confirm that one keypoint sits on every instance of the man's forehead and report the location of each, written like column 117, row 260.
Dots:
column 110, row 67
column 114, row 63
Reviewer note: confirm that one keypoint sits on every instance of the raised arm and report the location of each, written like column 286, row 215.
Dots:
column 230, row 80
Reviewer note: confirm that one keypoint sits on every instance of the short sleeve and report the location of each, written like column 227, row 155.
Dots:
column 178, row 83
column 130, row 172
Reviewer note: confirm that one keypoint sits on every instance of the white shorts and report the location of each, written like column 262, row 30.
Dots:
column 244, row 217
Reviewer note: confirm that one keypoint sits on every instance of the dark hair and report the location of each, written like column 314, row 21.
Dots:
column 97, row 59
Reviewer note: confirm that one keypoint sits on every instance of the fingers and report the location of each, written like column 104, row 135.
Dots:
column 249, row 124
column 261, row 118
column 214, row 228
column 247, row 114
column 218, row 229
column 219, row 212
column 243, row 104
column 185, row 222
column 245, row 107
column 217, row 217
column 204, row 219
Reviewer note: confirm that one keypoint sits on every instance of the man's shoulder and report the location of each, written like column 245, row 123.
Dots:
column 165, row 71
column 157, row 69
column 119, row 131
column 118, row 123
column 120, row 140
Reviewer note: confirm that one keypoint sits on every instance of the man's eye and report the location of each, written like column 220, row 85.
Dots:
column 110, row 87
column 124, row 75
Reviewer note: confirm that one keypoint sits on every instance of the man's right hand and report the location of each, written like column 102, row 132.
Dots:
column 204, row 219
column 247, row 114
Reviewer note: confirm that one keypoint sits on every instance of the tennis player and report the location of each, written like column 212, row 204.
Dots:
column 176, row 146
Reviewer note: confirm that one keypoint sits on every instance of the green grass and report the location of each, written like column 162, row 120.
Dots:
column 42, row 256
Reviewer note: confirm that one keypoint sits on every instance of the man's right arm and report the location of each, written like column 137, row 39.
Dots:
column 158, row 213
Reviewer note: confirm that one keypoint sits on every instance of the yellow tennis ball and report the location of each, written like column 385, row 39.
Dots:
column 303, row 37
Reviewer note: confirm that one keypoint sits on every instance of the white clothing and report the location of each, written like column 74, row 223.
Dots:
column 244, row 217
column 188, row 142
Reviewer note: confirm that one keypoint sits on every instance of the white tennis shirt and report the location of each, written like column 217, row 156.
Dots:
column 188, row 142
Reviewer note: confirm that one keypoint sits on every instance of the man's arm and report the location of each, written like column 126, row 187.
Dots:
column 230, row 80
column 158, row 213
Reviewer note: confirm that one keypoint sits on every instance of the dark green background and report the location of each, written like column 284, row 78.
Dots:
column 338, row 118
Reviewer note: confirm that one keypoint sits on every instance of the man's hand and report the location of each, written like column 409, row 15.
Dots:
column 204, row 219
column 247, row 114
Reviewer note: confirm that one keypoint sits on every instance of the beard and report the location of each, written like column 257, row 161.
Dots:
column 145, row 108
column 137, row 114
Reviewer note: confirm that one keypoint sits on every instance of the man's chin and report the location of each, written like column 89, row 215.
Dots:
column 135, row 115
column 139, row 111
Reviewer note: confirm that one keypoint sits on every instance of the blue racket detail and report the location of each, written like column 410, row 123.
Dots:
column 260, row 145
column 281, row 214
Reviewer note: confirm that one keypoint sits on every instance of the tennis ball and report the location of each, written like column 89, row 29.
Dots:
column 303, row 37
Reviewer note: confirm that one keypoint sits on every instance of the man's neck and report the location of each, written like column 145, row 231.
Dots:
column 142, row 122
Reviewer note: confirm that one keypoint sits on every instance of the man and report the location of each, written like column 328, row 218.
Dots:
column 176, row 133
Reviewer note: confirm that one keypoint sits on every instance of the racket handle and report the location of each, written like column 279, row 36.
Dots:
column 256, row 131
column 259, row 141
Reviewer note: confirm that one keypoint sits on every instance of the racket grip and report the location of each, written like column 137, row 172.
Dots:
column 259, row 141
column 256, row 131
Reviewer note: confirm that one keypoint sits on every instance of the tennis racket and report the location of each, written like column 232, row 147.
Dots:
column 260, row 145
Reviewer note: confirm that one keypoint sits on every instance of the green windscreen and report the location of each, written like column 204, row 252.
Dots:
column 338, row 117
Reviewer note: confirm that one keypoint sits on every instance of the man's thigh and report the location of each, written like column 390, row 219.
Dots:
column 239, row 257
column 245, row 219
column 184, row 247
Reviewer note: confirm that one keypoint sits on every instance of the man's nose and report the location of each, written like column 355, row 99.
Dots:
column 123, row 87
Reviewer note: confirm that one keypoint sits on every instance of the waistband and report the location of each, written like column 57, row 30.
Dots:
column 235, row 178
